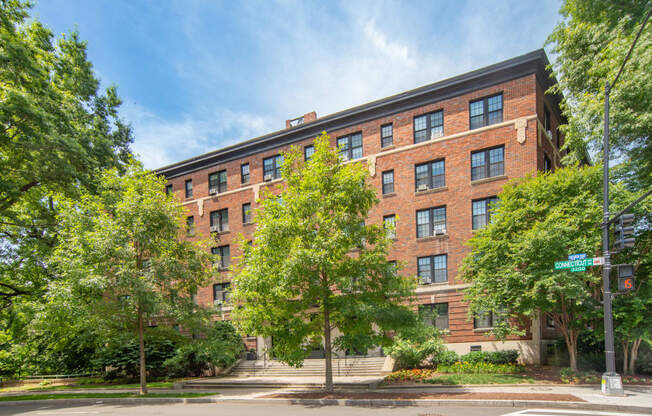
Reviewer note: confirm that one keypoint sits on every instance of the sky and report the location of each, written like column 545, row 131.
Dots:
column 196, row 76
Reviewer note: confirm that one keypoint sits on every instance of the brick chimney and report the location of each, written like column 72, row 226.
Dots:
column 306, row 118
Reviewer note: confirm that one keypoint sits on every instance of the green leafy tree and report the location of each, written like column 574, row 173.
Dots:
column 540, row 220
column 590, row 44
column 56, row 130
column 120, row 257
column 315, row 266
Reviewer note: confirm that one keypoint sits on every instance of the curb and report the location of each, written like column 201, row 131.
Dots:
column 345, row 402
column 466, row 386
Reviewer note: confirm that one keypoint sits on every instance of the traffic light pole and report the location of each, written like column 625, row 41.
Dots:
column 611, row 381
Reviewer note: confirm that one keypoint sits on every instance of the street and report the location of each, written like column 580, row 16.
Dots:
column 247, row 409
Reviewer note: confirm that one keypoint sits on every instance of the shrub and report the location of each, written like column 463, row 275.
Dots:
column 493, row 357
column 220, row 347
column 466, row 367
column 445, row 357
column 415, row 374
column 414, row 348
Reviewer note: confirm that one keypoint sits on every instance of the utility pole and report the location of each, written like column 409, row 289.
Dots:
column 611, row 382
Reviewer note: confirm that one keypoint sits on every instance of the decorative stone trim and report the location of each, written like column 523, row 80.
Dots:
column 485, row 180
column 389, row 195
column 432, row 238
column 432, row 191
column 520, row 125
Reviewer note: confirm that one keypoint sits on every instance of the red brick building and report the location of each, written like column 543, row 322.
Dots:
column 437, row 154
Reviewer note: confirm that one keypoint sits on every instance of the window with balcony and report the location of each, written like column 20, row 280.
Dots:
column 430, row 175
column 486, row 111
column 487, row 163
column 432, row 269
column 428, row 126
column 350, row 147
column 431, row 222
column 386, row 135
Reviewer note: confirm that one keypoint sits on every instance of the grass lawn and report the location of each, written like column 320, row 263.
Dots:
column 452, row 379
column 46, row 396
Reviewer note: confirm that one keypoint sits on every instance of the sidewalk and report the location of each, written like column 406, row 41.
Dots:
column 637, row 399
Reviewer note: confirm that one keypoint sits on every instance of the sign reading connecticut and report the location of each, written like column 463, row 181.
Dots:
column 578, row 262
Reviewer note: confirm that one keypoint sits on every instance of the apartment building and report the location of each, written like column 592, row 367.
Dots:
column 438, row 156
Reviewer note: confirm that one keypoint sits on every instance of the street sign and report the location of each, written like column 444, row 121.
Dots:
column 579, row 265
column 572, row 257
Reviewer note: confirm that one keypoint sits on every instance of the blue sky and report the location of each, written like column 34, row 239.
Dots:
column 199, row 75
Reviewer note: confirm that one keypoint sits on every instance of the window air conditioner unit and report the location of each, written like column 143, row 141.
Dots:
column 423, row 187
column 440, row 231
column 212, row 191
column 268, row 178
column 215, row 228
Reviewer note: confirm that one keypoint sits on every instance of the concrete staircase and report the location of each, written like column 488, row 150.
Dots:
column 342, row 367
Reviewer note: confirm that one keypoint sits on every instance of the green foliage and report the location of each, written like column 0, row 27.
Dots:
column 480, row 378
column 121, row 353
column 315, row 265
column 446, row 357
column 57, row 129
column 541, row 220
column 480, row 367
column 590, row 44
column 492, row 357
column 220, row 347
column 417, row 347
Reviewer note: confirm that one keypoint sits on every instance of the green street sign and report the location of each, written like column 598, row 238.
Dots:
column 579, row 265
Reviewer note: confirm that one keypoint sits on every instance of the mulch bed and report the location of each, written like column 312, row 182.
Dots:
column 436, row 396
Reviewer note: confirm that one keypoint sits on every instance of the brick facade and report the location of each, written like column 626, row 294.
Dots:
column 521, row 133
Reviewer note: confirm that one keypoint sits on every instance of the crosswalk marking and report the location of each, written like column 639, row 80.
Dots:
column 558, row 412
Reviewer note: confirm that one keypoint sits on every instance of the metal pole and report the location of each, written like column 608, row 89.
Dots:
column 611, row 382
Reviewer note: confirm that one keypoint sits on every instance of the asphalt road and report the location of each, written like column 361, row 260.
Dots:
column 247, row 409
column 242, row 409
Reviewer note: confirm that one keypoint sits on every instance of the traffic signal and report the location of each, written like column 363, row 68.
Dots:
column 625, row 277
column 624, row 231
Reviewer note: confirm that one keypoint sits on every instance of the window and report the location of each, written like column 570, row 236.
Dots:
column 431, row 221
column 430, row 175
column 488, row 163
column 220, row 220
column 168, row 189
column 189, row 188
column 389, row 223
column 547, row 163
column 386, row 135
column 225, row 256
column 546, row 120
column 428, row 126
column 217, row 182
column 246, row 213
column 481, row 212
column 475, row 348
column 550, row 323
column 272, row 167
column 350, row 147
column 221, row 292
column 190, row 225
column 432, row 269
column 486, row 320
column 244, row 173
column 435, row 314
column 486, row 111
column 388, row 182
column 308, row 151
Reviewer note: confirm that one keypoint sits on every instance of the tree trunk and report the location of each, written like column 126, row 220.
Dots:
column 141, row 341
column 625, row 344
column 571, row 346
column 327, row 351
column 634, row 355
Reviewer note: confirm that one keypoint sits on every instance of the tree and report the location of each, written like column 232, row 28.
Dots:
column 120, row 257
column 315, row 266
column 591, row 43
column 56, row 131
column 540, row 220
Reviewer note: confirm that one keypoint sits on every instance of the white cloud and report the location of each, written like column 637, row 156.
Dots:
column 159, row 141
